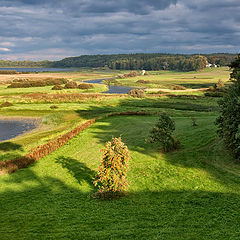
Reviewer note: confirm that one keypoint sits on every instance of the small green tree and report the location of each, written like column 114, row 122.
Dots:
column 229, row 120
column 220, row 84
column 111, row 176
column 194, row 121
column 162, row 133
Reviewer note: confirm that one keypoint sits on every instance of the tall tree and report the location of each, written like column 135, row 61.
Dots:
column 229, row 120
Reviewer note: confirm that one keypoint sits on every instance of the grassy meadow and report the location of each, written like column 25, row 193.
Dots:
column 192, row 193
column 191, row 80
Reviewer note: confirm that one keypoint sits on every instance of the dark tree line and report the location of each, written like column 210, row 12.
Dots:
column 7, row 63
column 138, row 61
column 180, row 63
column 153, row 61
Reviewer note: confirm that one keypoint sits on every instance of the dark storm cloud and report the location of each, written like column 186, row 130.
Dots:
column 103, row 6
column 54, row 29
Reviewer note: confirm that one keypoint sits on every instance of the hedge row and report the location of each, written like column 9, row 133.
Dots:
column 8, row 72
column 11, row 166
column 26, row 83
column 69, row 97
column 74, row 85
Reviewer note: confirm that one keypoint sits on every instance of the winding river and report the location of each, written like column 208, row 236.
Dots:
column 112, row 89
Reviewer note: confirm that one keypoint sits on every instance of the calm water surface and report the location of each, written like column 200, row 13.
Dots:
column 112, row 89
column 12, row 128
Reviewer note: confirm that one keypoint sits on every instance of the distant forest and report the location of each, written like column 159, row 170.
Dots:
column 7, row 63
column 153, row 61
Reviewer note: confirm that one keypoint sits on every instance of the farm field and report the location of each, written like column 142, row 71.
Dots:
column 192, row 193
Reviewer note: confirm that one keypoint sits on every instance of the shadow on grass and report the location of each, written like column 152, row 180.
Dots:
column 201, row 149
column 197, row 85
column 51, row 209
column 8, row 146
column 153, row 105
column 9, row 156
column 77, row 169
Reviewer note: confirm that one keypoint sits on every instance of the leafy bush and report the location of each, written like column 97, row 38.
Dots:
column 57, row 87
column 162, row 133
column 53, row 107
column 229, row 120
column 177, row 87
column 194, row 121
column 211, row 88
column 216, row 91
column 139, row 93
column 214, row 94
column 111, row 176
column 8, row 72
column 220, row 84
column 120, row 76
column 6, row 104
column 131, row 74
column 85, row 86
column 127, row 75
column 144, row 81
column 71, row 85
column 26, row 83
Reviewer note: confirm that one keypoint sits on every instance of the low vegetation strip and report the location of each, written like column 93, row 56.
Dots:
column 26, row 83
column 11, row 166
column 67, row 97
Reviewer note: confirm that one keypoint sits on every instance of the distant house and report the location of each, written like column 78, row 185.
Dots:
column 208, row 64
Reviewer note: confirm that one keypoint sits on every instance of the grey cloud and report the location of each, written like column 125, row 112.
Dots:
column 91, row 26
column 95, row 6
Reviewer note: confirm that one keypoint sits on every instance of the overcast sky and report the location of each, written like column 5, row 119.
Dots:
column 54, row 29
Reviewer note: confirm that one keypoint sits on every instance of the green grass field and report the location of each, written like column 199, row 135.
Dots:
column 192, row 193
column 189, row 194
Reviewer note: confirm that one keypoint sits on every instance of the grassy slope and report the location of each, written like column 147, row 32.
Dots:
column 190, row 194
